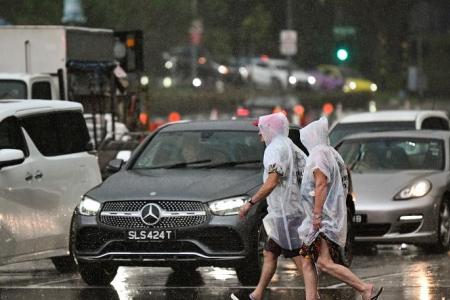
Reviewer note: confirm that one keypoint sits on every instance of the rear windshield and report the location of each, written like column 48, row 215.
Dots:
column 342, row 130
column 13, row 89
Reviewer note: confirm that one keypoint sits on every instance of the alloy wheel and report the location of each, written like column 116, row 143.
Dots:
column 444, row 224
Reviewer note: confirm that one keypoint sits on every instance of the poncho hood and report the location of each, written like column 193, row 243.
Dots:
column 315, row 134
column 272, row 126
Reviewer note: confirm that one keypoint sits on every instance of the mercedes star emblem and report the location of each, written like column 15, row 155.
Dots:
column 151, row 214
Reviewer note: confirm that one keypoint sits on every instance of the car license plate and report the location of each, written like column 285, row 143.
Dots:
column 151, row 235
column 360, row 218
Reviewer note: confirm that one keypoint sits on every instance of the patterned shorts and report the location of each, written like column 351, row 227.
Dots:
column 276, row 249
column 313, row 251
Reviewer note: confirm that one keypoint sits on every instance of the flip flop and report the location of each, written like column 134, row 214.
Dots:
column 375, row 297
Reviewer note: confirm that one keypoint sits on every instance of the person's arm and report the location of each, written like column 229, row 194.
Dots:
column 272, row 181
column 320, row 190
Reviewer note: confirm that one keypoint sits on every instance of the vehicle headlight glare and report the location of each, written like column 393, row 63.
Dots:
column 222, row 70
column 415, row 190
column 312, row 80
column 244, row 72
column 292, row 80
column 167, row 82
column 227, row 207
column 196, row 82
column 373, row 87
column 89, row 207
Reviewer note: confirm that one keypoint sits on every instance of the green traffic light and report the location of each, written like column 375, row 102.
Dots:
column 342, row 54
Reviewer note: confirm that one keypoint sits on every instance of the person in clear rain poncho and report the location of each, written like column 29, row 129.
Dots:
column 324, row 191
column 283, row 168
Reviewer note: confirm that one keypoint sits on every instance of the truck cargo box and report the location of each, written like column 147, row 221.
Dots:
column 45, row 49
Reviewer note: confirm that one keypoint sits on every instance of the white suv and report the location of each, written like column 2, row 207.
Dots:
column 273, row 73
column 45, row 167
column 388, row 121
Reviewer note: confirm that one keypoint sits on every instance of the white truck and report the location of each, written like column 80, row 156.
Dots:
column 55, row 62
column 59, row 62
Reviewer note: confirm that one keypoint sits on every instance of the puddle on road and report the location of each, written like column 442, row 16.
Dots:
column 206, row 294
column 405, row 273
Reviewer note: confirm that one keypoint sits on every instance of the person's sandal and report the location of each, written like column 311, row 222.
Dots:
column 242, row 295
column 375, row 297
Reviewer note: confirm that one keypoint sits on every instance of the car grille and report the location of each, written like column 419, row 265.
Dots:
column 126, row 214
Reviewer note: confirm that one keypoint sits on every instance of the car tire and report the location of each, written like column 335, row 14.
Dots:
column 65, row 264
column 346, row 254
column 442, row 243
column 96, row 273
column 249, row 271
column 184, row 268
column 443, row 228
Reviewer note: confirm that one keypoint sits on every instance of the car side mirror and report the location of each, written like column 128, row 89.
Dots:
column 123, row 155
column 11, row 157
column 115, row 165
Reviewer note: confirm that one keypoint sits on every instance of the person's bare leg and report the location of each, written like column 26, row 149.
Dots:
column 306, row 266
column 327, row 265
column 268, row 270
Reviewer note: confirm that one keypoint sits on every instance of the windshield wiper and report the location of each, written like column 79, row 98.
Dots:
column 181, row 164
column 232, row 163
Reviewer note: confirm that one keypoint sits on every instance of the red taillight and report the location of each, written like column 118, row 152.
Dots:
column 264, row 58
column 243, row 112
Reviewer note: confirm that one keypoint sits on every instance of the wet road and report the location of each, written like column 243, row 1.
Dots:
column 405, row 274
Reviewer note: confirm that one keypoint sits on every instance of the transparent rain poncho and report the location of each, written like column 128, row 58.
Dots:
column 325, row 158
column 285, row 158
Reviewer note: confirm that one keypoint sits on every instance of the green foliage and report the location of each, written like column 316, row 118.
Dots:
column 31, row 12
column 251, row 27
column 255, row 29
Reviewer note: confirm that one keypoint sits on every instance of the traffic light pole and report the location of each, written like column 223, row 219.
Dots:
column 289, row 27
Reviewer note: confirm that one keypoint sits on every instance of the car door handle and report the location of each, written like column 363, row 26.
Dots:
column 28, row 177
column 38, row 175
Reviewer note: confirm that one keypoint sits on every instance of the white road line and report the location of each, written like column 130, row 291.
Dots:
column 39, row 285
column 368, row 278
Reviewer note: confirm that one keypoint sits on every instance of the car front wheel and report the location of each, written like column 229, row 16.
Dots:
column 65, row 264
column 443, row 240
column 248, row 272
column 184, row 268
column 97, row 274
column 346, row 255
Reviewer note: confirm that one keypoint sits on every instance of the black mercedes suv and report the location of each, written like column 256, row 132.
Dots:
column 175, row 203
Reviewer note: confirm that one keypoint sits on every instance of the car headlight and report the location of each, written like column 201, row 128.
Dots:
column 227, row 207
column 312, row 80
column 89, row 207
column 417, row 189
column 292, row 80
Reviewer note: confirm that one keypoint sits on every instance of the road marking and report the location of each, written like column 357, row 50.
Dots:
column 368, row 278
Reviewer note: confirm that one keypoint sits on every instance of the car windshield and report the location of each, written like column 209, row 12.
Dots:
column 209, row 149
column 344, row 129
column 13, row 89
column 373, row 155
